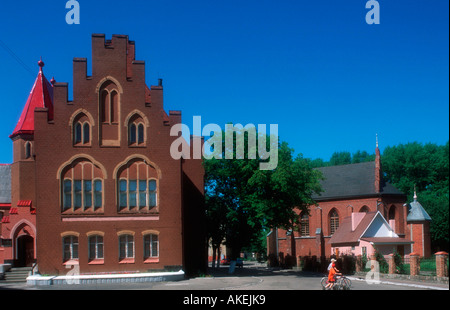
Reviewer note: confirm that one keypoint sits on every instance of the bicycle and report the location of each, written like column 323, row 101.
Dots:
column 342, row 283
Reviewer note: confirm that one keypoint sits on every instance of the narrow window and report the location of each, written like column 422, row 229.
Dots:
column 78, row 193
column 152, row 193
column 114, row 106
column 77, row 133
column 142, row 193
column 132, row 134
column 140, row 133
column 98, row 194
column 392, row 212
column 86, row 133
column 105, row 107
column 123, row 193
column 132, row 186
column 87, row 193
column 27, row 150
column 154, row 246
column 304, row 224
column 67, row 194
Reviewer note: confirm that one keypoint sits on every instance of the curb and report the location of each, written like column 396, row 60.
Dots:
column 105, row 279
column 403, row 284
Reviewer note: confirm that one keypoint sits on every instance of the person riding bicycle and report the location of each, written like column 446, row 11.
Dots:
column 331, row 264
column 332, row 276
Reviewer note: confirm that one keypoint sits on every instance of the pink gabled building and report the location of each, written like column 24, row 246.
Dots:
column 364, row 233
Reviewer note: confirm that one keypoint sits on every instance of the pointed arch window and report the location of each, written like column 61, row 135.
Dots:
column 136, row 131
column 110, row 105
column 137, row 187
column 81, row 131
column 364, row 209
column 82, row 187
column 334, row 221
column 109, row 94
column 391, row 214
column 137, row 194
column 304, row 224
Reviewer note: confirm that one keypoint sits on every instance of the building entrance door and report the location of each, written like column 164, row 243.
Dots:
column 25, row 251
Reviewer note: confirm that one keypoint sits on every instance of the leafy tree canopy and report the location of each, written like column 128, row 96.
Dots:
column 243, row 200
column 424, row 167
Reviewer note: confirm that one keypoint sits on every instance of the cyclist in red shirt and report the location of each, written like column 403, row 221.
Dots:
column 332, row 276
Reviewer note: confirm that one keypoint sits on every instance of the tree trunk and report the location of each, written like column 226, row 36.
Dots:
column 213, row 257
column 218, row 256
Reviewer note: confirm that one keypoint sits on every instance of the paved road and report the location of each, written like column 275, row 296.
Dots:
column 249, row 278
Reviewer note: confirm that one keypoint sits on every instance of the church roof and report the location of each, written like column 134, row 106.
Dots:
column 344, row 235
column 416, row 212
column 353, row 180
column 41, row 96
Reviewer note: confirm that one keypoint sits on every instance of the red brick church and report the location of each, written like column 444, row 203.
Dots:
column 92, row 181
column 357, row 213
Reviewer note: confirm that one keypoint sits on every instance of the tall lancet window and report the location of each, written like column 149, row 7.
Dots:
column 109, row 101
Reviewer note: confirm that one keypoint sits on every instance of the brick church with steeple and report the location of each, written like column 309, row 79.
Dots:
column 93, row 183
column 357, row 213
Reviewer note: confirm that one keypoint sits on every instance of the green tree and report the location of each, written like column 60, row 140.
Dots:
column 317, row 163
column 426, row 169
column 243, row 200
column 362, row 156
column 340, row 158
column 343, row 158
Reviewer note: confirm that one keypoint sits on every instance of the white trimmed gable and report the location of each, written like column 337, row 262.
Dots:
column 379, row 227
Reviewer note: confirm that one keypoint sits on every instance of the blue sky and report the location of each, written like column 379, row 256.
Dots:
column 316, row 68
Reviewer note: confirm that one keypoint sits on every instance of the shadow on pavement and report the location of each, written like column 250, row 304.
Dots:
column 258, row 270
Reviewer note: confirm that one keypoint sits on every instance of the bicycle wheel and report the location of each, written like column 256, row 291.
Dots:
column 347, row 284
column 323, row 282
column 339, row 284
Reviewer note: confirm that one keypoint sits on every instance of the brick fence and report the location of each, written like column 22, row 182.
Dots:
column 414, row 266
column 438, row 273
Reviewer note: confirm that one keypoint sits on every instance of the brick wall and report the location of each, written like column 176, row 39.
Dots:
column 54, row 148
column 441, row 264
column 310, row 245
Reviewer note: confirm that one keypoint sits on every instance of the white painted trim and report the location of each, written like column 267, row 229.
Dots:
column 111, row 218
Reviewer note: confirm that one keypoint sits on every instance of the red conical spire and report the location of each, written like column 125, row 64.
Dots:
column 41, row 96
